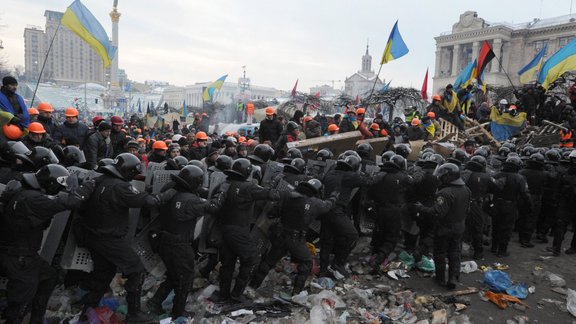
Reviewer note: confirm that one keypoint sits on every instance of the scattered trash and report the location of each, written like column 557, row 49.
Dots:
column 500, row 266
column 560, row 290
column 468, row 267
column 571, row 302
column 407, row 259
column 497, row 281
column 439, row 317
column 519, row 291
column 395, row 274
column 532, row 289
column 426, row 264
column 555, row 280
column 241, row 312
column 323, row 283
column 502, row 300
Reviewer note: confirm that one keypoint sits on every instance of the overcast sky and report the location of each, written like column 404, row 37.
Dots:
column 189, row 41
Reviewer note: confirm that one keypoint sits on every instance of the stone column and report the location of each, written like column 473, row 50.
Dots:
column 455, row 59
column 497, row 48
column 438, row 66
column 475, row 49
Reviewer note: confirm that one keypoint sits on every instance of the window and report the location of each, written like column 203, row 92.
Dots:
column 562, row 41
column 538, row 45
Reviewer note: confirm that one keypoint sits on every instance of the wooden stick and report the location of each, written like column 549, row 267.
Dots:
column 547, row 122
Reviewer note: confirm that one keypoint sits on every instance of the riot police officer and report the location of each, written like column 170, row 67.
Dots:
column 450, row 208
column 104, row 231
column 29, row 208
column 297, row 211
column 566, row 212
column 536, row 177
column 175, row 239
column 237, row 196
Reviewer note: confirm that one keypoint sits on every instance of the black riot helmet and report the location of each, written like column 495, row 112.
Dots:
column 536, row 160
column 527, row 151
column 105, row 162
column 297, row 166
column 449, row 173
column 364, row 150
column 386, row 156
column 512, row 164
column 223, row 162
column 324, row 154
column 482, row 151
column 49, row 178
column 503, row 151
column 126, row 166
column 291, row 126
column 311, row 188
column 39, row 156
column 477, row 163
column 403, row 149
column 181, row 161
column 397, row 162
column 241, row 169
column 435, row 159
column 197, row 163
column 190, row 177
column 73, row 156
column 291, row 155
column 553, row 155
column 349, row 163
column 262, row 153
column 348, row 153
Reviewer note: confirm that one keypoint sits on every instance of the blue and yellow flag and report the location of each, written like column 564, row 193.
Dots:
column 526, row 74
column 216, row 85
column 562, row 61
column 395, row 47
column 503, row 125
column 466, row 76
column 82, row 23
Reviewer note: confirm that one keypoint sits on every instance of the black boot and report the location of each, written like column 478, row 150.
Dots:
column 134, row 291
column 237, row 293
column 503, row 250
column 451, row 284
column 154, row 304
column 299, row 283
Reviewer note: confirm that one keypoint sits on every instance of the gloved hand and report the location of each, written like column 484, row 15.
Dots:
column 72, row 182
column 167, row 195
column 16, row 120
column 85, row 190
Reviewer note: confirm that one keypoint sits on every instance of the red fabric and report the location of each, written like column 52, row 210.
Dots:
column 294, row 89
column 484, row 57
column 424, row 91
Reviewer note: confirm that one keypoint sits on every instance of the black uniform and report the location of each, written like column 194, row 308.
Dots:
column 117, row 140
column 234, row 219
column 536, row 178
column 424, row 191
column 566, row 211
column 514, row 191
column 389, row 195
column 481, row 185
column 450, row 207
column 31, row 279
column 338, row 234
column 175, row 249
column 104, row 229
column 297, row 211
column 549, row 202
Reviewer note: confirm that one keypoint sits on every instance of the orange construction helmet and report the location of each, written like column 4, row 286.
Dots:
column 375, row 127
column 250, row 141
column 46, row 107
column 140, row 140
column 333, row 128
column 269, row 111
column 33, row 111
column 159, row 145
column 201, row 136
column 431, row 114
column 308, row 118
column 360, row 111
column 242, row 139
column 437, row 98
column 71, row 112
column 384, row 132
column 36, row 127
column 415, row 122
column 12, row 132
column 513, row 107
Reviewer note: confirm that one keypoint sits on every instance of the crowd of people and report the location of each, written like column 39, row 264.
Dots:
column 239, row 181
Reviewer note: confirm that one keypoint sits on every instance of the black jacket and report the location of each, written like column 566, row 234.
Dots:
column 48, row 123
column 46, row 142
column 390, row 188
column 97, row 149
column 343, row 183
column 298, row 211
column 450, row 208
column 66, row 131
column 269, row 130
column 118, row 139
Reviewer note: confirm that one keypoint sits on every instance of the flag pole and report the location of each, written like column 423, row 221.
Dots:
column 374, row 85
column 44, row 63
column 506, row 73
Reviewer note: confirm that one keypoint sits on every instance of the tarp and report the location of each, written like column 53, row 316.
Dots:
column 504, row 125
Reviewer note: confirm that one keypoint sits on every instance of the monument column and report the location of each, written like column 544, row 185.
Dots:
column 475, row 49
column 497, row 48
column 115, row 15
column 455, row 59
column 438, row 66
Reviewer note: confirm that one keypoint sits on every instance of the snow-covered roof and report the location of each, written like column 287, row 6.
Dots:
column 537, row 23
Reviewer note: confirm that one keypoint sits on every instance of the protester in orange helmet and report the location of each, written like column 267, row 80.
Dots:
column 200, row 147
column 415, row 132
column 71, row 132
column 33, row 113
column 12, row 132
column 45, row 117
column 270, row 128
column 159, row 152
column 333, row 129
column 37, row 136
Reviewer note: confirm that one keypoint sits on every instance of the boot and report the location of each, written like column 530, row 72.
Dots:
column 223, row 295
column 154, row 304
column 134, row 291
column 451, row 284
column 237, row 293
column 299, row 283
column 503, row 250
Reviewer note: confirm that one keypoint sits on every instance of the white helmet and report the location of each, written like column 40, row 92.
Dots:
column 503, row 102
column 176, row 137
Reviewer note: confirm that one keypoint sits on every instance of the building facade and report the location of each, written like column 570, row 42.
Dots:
column 514, row 44
column 71, row 60
column 362, row 82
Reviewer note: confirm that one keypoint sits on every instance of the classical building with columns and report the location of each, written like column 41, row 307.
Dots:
column 514, row 44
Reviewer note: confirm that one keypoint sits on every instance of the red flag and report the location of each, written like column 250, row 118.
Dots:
column 317, row 95
column 424, row 91
column 484, row 57
column 294, row 89
column 357, row 100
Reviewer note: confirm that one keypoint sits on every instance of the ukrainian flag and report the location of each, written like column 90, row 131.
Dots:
column 503, row 125
column 82, row 23
column 395, row 47
column 562, row 61
column 527, row 73
column 466, row 76
column 216, row 85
